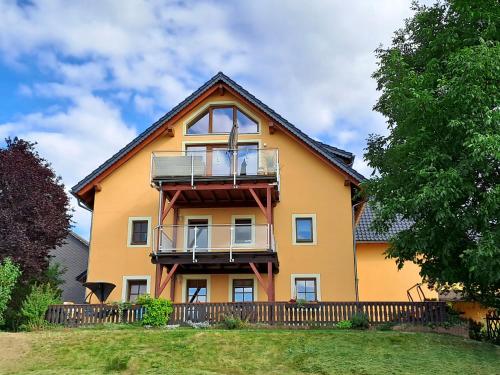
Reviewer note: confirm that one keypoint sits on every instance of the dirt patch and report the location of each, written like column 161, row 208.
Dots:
column 13, row 347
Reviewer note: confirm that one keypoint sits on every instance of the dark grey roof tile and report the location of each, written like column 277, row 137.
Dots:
column 365, row 233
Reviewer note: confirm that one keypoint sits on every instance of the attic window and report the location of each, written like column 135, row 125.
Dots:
column 219, row 120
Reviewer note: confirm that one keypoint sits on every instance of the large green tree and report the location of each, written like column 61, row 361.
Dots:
column 439, row 165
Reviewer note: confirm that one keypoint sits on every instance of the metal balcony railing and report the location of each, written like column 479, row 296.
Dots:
column 202, row 238
column 216, row 162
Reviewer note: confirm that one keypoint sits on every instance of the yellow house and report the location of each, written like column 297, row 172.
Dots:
column 222, row 199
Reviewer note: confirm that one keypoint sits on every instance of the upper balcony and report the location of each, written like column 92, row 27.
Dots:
column 200, row 164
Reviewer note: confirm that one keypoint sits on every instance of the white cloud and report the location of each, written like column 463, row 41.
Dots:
column 311, row 62
column 74, row 140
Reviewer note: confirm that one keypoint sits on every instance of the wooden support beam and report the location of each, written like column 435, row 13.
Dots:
column 212, row 195
column 259, row 203
column 221, row 90
column 272, row 127
column 270, row 282
column 226, row 194
column 97, row 187
column 159, row 271
column 269, row 206
column 176, row 221
column 257, row 185
column 169, row 132
column 172, row 289
column 167, row 279
column 170, row 205
column 197, row 195
column 259, row 277
column 242, row 195
column 182, row 197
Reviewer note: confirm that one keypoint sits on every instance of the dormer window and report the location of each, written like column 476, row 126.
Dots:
column 219, row 120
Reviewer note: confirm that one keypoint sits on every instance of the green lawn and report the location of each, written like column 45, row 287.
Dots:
column 190, row 351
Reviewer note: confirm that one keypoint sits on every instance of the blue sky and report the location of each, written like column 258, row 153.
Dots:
column 83, row 78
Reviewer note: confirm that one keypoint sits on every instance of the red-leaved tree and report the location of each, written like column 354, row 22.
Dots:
column 34, row 208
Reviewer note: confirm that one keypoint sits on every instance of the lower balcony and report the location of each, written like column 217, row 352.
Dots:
column 200, row 247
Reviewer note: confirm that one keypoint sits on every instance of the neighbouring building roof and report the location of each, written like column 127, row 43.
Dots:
column 335, row 155
column 365, row 233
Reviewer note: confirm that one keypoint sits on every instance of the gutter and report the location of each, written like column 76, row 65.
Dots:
column 80, row 202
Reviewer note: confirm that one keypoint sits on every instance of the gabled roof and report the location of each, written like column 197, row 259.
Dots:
column 332, row 154
column 365, row 233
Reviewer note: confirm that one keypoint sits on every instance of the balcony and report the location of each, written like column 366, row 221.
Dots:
column 199, row 164
column 217, row 248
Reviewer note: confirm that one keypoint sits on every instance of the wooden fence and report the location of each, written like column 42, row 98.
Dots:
column 282, row 313
column 85, row 314
column 493, row 326
column 311, row 314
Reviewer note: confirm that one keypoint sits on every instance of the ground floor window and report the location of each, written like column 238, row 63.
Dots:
column 136, row 288
column 243, row 290
column 197, row 291
column 306, row 289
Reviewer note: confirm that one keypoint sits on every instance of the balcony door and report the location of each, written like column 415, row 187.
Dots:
column 219, row 160
column 198, row 235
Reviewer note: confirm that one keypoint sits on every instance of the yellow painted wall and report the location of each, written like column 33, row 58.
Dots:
column 380, row 279
column 308, row 185
column 471, row 310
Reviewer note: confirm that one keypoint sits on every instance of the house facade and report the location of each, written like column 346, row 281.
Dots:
column 196, row 211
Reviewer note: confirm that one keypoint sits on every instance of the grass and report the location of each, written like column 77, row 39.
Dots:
column 190, row 351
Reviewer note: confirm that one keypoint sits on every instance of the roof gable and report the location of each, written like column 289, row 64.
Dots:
column 335, row 156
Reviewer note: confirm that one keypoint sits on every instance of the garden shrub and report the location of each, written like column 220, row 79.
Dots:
column 344, row 324
column 476, row 330
column 387, row 326
column 157, row 312
column 9, row 273
column 360, row 321
column 232, row 322
column 35, row 306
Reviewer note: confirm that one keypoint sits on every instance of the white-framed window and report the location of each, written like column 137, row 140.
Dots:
column 243, row 230
column 217, row 117
column 134, row 286
column 242, row 288
column 198, row 232
column 306, row 287
column 304, row 229
column 139, row 231
column 196, row 288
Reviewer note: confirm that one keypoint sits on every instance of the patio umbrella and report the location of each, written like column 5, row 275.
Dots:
column 232, row 146
column 100, row 289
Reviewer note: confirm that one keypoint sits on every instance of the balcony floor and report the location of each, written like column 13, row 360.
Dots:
column 217, row 262
column 220, row 192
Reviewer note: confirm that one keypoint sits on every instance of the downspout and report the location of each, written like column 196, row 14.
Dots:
column 355, row 255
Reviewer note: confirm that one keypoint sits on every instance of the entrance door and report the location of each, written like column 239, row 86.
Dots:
column 197, row 234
